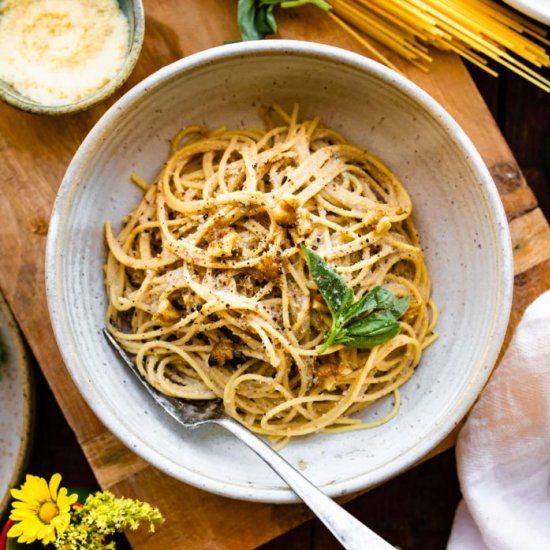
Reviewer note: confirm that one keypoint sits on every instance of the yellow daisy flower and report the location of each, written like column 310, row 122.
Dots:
column 41, row 510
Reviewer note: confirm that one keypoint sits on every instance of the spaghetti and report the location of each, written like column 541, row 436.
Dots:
column 209, row 289
column 475, row 29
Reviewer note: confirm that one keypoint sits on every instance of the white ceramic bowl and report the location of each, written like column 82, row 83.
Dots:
column 457, row 210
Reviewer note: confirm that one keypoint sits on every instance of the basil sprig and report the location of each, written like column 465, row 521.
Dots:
column 364, row 323
column 256, row 19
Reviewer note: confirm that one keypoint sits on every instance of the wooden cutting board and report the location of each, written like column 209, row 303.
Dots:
column 34, row 154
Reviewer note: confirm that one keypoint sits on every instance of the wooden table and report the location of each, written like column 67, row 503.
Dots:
column 413, row 510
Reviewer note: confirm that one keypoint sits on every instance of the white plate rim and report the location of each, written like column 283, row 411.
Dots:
column 20, row 362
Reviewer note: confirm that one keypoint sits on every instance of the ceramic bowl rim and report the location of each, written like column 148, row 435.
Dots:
column 23, row 365
column 309, row 50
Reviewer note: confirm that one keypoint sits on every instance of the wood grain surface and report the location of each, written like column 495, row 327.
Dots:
column 34, row 153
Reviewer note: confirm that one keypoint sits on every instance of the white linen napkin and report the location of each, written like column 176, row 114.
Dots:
column 503, row 450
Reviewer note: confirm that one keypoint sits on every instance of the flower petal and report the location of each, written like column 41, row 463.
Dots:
column 53, row 486
column 64, row 502
column 42, row 489
column 24, row 505
column 31, row 488
column 20, row 515
column 24, row 496
column 46, row 534
column 15, row 530
column 27, row 529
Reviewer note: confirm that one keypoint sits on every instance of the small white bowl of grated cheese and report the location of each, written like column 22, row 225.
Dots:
column 62, row 56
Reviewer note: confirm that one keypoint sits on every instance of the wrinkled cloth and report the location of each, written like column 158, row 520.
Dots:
column 503, row 450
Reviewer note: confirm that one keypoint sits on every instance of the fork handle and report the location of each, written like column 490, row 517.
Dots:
column 349, row 531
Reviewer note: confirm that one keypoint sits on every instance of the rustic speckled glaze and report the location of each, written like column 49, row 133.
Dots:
column 133, row 10
column 457, row 210
column 16, row 406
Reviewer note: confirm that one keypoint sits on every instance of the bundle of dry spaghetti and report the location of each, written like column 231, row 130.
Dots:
column 478, row 30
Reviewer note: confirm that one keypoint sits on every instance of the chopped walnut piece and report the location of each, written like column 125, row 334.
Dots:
column 304, row 225
column 269, row 267
column 187, row 301
column 136, row 276
column 329, row 374
column 285, row 212
column 223, row 243
column 221, row 353
column 166, row 312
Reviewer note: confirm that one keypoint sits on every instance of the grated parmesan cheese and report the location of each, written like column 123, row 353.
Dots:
column 57, row 52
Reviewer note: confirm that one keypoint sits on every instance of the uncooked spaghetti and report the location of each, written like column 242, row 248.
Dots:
column 210, row 291
column 478, row 30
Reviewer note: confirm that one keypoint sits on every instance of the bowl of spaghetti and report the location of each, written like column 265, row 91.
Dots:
column 313, row 241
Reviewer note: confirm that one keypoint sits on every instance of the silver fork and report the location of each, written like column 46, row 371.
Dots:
column 350, row 532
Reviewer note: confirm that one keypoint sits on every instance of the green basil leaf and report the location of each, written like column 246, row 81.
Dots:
column 265, row 20
column 399, row 307
column 336, row 292
column 256, row 19
column 376, row 298
column 374, row 340
column 368, row 322
column 395, row 310
column 371, row 326
column 246, row 18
